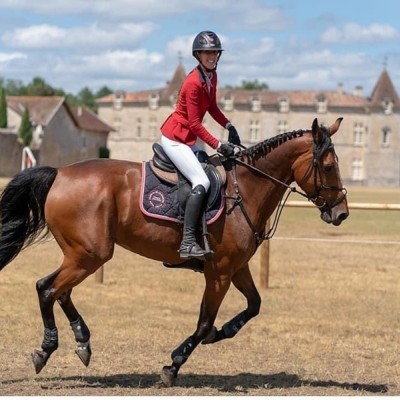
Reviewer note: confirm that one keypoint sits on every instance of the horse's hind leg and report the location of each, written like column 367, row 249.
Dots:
column 50, row 289
column 50, row 339
column 80, row 329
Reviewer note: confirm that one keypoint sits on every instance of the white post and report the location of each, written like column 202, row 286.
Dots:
column 28, row 159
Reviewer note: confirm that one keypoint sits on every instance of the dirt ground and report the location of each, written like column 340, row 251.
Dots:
column 329, row 322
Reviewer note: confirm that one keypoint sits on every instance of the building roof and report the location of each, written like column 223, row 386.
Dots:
column 384, row 90
column 87, row 120
column 42, row 109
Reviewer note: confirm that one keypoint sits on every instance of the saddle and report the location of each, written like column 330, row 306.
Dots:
column 165, row 170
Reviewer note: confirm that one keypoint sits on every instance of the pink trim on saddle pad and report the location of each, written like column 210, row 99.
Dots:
column 157, row 199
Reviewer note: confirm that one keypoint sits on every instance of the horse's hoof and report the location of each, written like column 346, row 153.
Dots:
column 39, row 359
column 211, row 336
column 168, row 376
column 84, row 352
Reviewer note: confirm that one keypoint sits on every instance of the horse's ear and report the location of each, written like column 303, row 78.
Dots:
column 335, row 126
column 316, row 132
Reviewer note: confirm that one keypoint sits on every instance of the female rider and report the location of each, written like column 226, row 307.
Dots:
column 182, row 128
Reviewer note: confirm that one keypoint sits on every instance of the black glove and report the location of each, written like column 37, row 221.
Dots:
column 233, row 136
column 226, row 150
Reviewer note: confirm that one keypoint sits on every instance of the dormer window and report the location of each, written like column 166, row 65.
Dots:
column 321, row 104
column 153, row 101
column 283, row 105
column 118, row 100
column 227, row 102
column 255, row 103
column 387, row 105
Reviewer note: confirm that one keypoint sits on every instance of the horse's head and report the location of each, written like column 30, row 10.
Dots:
column 319, row 175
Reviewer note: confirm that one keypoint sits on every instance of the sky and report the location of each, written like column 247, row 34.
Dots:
column 136, row 45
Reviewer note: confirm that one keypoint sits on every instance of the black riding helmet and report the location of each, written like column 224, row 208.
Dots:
column 206, row 40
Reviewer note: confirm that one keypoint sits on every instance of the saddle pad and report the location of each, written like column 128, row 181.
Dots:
column 159, row 199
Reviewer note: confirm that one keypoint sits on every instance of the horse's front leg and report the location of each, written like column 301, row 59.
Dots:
column 216, row 288
column 245, row 284
column 79, row 328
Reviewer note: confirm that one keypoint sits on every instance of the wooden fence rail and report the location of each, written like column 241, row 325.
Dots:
column 265, row 247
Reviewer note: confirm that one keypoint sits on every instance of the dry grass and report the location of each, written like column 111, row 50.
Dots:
column 329, row 323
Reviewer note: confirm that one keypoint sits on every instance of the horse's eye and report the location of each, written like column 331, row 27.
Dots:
column 328, row 168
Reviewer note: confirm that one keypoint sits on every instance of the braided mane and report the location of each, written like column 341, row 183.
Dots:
column 263, row 148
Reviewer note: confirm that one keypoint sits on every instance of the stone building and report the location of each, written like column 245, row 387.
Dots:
column 61, row 134
column 368, row 142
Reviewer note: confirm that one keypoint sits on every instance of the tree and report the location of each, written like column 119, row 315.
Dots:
column 3, row 109
column 103, row 91
column 25, row 129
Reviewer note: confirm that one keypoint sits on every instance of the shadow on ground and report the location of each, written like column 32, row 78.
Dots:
column 240, row 383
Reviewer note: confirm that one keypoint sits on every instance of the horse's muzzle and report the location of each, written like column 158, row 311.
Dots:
column 335, row 215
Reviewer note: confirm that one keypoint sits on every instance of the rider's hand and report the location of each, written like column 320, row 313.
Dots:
column 226, row 149
column 233, row 136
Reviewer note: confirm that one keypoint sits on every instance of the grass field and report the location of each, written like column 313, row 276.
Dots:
column 329, row 322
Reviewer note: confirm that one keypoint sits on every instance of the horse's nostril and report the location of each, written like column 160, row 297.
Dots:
column 343, row 216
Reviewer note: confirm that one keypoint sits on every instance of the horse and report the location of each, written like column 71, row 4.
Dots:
column 92, row 205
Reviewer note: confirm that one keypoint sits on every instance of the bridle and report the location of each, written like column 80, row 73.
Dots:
column 319, row 150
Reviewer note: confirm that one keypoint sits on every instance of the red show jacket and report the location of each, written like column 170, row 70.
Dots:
column 185, row 123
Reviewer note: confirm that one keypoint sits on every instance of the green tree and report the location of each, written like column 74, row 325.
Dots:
column 86, row 97
column 103, row 91
column 3, row 109
column 25, row 129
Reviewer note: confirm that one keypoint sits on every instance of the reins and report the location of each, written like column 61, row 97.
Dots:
column 238, row 201
column 318, row 152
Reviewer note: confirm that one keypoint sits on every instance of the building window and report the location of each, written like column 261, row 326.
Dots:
column 118, row 100
column 283, row 105
column 358, row 134
column 283, row 126
column 139, row 128
column 153, row 101
column 227, row 102
column 255, row 102
column 357, row 170
column 153, row 130
column 322, row 104
column 387, row 106
column 254, row 131
column 173, row 99
column 386, row 137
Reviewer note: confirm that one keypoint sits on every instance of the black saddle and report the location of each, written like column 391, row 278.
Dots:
column 164, row 168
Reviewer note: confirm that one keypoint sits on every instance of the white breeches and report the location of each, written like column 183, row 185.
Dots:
column 185, row 160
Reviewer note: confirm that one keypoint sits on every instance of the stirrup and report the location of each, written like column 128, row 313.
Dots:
column 193, row 250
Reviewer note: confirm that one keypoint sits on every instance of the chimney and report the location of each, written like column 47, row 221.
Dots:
column 79, row 111
column 340, row 88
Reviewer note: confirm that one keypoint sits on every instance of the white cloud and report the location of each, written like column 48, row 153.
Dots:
column 8, row 57
column 355, row 33
column 52, row 37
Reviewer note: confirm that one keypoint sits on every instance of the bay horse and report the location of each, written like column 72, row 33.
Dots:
column 92, row 205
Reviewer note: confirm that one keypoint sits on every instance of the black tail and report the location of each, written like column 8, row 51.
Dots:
column 22, row 216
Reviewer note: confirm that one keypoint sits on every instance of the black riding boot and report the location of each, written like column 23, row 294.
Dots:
column 189, row 247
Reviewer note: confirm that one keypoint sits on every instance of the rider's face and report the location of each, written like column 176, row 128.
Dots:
column 208, row 58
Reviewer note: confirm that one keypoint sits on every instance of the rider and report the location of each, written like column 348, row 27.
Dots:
column 182, row 128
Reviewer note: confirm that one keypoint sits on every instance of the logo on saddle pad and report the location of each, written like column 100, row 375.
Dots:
column 156, row 198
